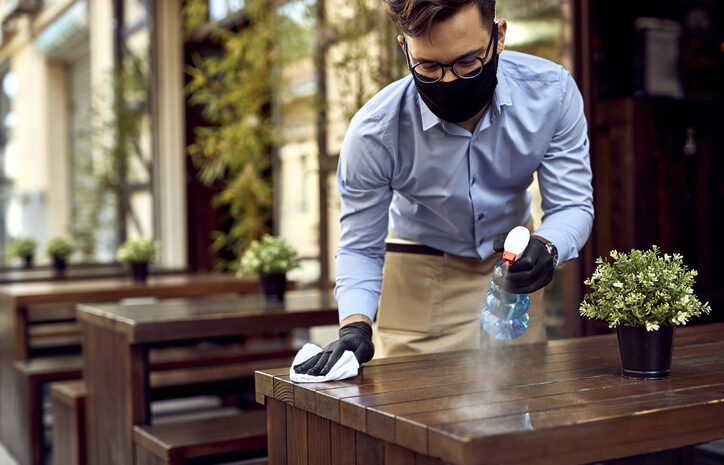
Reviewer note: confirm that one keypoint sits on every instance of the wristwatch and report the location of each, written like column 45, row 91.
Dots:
column 550, row 248
column 554, row 253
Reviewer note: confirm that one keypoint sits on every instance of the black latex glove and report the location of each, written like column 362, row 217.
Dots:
column 531, row 270
column 356, row 337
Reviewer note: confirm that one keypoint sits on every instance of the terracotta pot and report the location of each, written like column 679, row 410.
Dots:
column 273, row 286
column 646, row 354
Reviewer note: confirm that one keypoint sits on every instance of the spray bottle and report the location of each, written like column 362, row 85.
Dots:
column 505, row 315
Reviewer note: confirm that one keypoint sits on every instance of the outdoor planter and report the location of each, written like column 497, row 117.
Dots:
column 138, row 253
column 270, row 258
column 59, row 266
column 273, row 286
column 644, row 295
column 646, row 354
column 59, row 249
column 139, row 272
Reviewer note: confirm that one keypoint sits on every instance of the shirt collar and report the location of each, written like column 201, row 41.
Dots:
column 500, row 98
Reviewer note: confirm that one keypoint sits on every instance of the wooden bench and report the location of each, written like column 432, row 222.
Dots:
column 174, row 443
column 117, row 342
column 175, row 372
column 49, row 339
column 27, row 308
column 68, row 398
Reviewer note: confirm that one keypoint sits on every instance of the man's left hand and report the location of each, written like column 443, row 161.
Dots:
column 532, row 270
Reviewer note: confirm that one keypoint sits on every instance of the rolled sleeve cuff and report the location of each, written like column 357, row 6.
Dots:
column 357, row 302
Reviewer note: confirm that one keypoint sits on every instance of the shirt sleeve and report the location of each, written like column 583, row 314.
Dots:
column 364, row 178
column 564, row 177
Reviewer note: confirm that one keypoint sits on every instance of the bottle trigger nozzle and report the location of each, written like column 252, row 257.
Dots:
column 515, row 243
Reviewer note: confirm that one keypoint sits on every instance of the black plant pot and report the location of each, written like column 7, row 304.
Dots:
column 273, row 286
column 28, row 261
column 59, row 266
column 646, row 354
column 139, row 271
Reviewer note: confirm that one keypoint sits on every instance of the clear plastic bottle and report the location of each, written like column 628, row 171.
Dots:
column 505, row 315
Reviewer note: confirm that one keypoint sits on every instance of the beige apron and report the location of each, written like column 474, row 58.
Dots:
column 433, row 303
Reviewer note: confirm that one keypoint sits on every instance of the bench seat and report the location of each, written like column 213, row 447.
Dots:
column 174, row 443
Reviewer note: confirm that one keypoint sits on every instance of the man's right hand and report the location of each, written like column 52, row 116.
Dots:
column 356, row 337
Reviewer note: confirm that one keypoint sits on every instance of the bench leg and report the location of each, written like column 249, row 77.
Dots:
column 29, row 446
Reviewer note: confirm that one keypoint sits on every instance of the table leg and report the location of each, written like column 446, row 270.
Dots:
column 117, row 380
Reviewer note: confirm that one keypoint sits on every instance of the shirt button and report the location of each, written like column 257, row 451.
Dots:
column 480, row 216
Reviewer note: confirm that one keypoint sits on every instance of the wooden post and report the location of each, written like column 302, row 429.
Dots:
column 321, row 106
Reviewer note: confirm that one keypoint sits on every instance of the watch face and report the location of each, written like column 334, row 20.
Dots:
column 554, row 253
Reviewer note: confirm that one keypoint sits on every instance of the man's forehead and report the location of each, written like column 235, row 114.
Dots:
column 451, row 38
column 445, row 51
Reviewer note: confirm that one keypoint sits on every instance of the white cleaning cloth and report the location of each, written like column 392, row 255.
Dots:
column 346, row 367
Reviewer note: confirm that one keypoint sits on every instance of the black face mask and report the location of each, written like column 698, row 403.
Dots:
column 461, row 99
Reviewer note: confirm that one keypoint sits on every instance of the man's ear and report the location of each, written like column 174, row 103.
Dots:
column 401, row 41
column 502, row 29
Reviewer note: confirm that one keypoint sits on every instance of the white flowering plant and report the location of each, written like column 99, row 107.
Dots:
column 642, row 289
column 270, row 255
column 137, row 251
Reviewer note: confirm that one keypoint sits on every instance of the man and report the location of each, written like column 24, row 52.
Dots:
column 441, row 161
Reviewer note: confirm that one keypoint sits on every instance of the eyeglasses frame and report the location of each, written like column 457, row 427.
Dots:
column 482, row 61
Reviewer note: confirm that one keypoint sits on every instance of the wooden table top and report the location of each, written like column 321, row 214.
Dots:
column 116, row 288
column 560, row 402
column 184, row 319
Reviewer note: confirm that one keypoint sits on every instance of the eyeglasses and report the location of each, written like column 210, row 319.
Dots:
column 466, row 67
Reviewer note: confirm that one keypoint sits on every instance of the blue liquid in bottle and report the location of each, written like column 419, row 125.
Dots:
column 505, row 315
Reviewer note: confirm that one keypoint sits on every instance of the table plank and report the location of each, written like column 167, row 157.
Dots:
column 319, row 435
column 276, row 423
column 343, row 444
column 297, row 442
column 368, row 450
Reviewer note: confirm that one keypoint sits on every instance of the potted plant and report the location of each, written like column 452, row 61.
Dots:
column 138, row 253
column 23, row 249
column 59, row 249
column 644, row 295
column 271, row 258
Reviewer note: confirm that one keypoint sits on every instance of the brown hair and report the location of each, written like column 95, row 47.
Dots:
column 415, row 17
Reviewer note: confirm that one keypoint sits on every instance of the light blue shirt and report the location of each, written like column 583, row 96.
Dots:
column 403, row 169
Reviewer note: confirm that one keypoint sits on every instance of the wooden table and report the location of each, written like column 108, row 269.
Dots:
column 117, row 340
column 17, row 299
column 561, row 402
